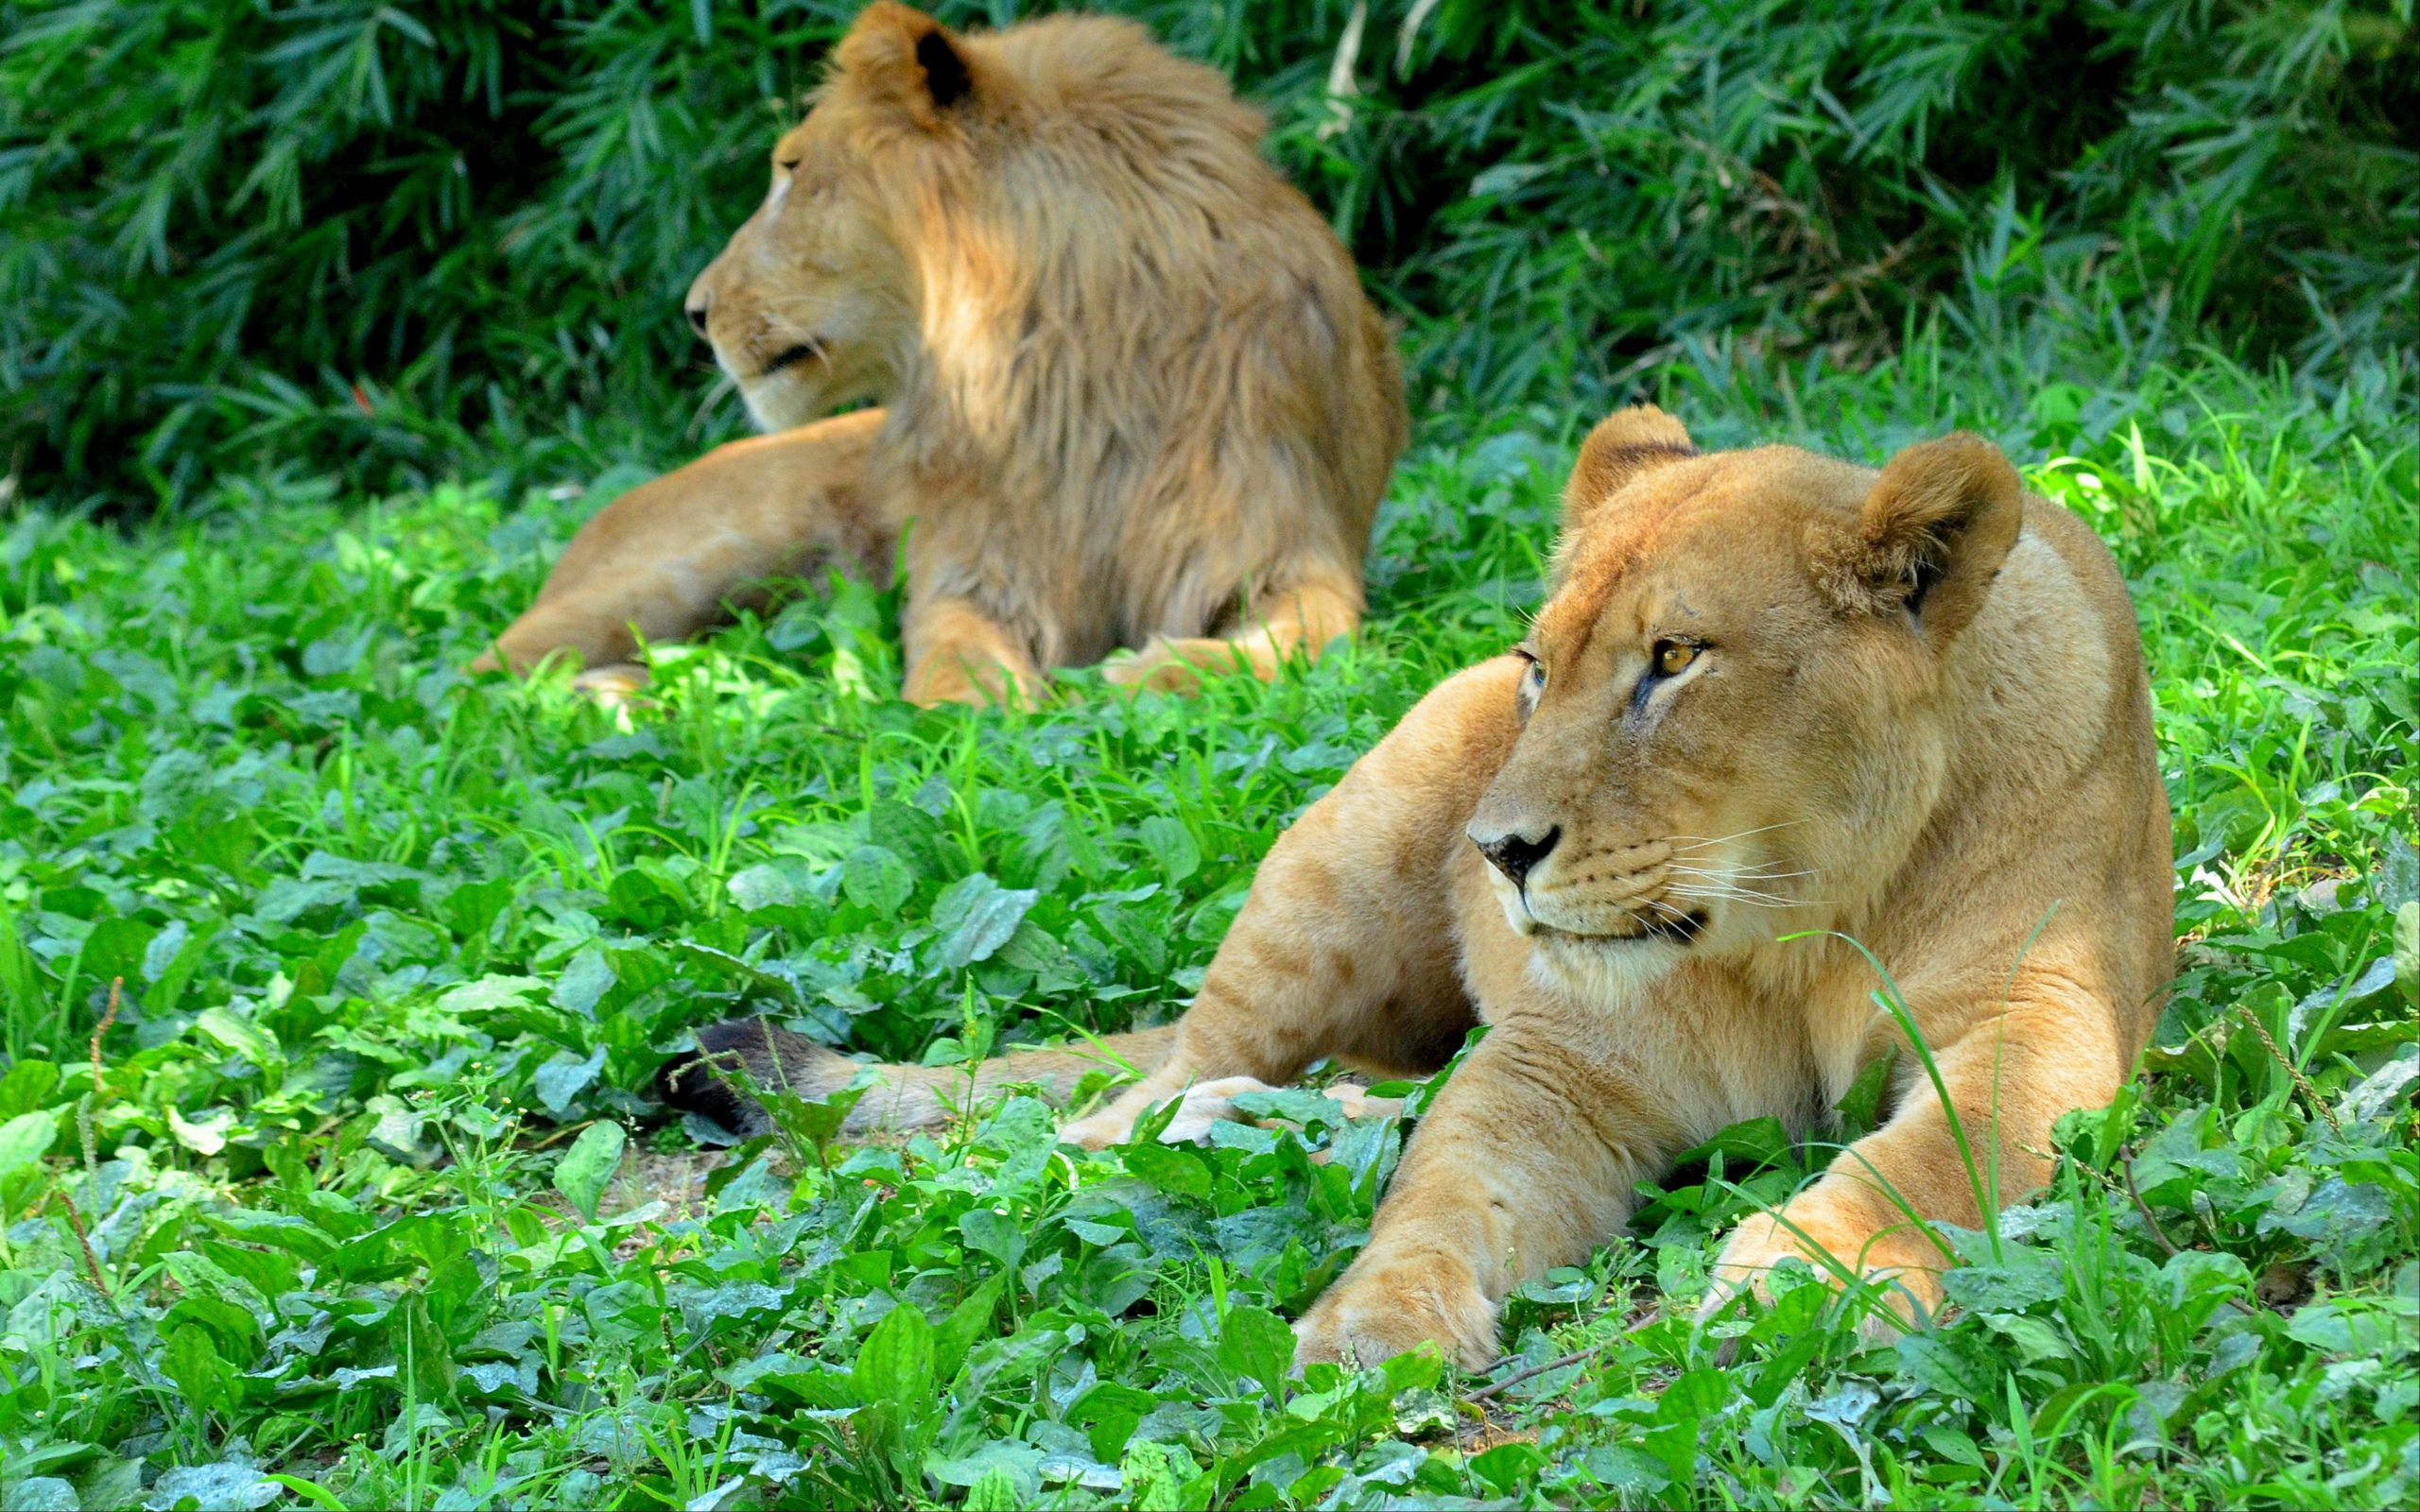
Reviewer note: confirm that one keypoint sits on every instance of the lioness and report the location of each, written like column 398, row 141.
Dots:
column 1770, row 694
column 1135, row 395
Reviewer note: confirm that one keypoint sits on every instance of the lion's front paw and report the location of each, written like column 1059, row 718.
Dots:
column 1903, row 1265
column 615, row 685
column 1159, row 667
column 1383, row 1307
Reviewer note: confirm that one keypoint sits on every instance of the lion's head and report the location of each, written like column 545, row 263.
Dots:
column 812, row 303
column 1729, row 721
column 941, row 179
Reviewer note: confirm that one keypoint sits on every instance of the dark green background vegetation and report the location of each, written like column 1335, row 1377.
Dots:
column 399, row 237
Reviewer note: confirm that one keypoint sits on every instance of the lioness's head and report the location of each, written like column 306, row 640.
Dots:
column 812, row 304
column 1729, row 719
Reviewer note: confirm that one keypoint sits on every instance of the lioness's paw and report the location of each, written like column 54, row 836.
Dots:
column 1357, row 1103
column 1204, row 1103
column 1385, row 1307
column 1903, row 1265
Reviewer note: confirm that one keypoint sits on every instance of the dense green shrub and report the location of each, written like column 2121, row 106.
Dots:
column 385, row 234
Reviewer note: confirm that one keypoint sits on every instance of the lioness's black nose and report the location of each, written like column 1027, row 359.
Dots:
column 697, row 320
column 1514, row 853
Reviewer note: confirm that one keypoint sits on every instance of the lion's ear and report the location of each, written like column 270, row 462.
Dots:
column 1625, row 445
column 907, row 58
column 1930, row 536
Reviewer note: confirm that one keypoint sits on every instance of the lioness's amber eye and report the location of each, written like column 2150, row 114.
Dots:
column 1537, row 677
column 1673, row 657
column 788, row 167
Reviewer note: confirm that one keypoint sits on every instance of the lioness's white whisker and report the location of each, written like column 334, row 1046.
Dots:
column 1699, row 842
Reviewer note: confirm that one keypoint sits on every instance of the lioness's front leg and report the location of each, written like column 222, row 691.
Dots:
column 1524, row 1162
column 2010, row 1075
column 1345, row 947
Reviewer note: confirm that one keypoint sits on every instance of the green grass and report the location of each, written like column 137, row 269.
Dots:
column 400, row 949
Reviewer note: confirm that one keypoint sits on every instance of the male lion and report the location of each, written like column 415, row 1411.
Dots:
column 1135, row 395
column 1770, row 694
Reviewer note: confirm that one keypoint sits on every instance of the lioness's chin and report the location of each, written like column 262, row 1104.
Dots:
column 1599, row 966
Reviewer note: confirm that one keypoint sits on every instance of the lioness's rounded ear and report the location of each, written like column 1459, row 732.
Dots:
column 908, row 59
column 1625, row 445
column 1929, row 538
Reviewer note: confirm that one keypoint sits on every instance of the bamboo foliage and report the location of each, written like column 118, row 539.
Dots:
column 385, row 235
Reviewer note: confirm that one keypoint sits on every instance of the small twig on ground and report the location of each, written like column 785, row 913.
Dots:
column 2135, row 1197
column 1519, row 1376
column 2302, row 1083
column 559, row 1135
column 1575, row 1357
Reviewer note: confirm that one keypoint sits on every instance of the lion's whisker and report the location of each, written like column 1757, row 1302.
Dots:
column 1697, row 842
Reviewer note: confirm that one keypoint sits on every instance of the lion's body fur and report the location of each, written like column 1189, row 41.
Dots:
column 1135, row 396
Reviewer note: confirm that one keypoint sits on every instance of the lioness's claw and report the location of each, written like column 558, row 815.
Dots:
column 1904, row 1267
column 1383, row 1308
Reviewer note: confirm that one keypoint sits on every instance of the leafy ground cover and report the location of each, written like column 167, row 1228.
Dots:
column 334, row 978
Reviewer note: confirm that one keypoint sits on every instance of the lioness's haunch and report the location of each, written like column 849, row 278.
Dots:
column 1136, row 398
column 1770, row 694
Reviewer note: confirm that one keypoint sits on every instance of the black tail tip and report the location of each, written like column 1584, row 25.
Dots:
column 690, row 1082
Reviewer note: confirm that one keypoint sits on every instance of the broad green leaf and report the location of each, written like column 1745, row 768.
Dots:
column 911, row 835
column 26, row 1139
column 874, row 877
column 1257, row 1343
column 964, row 1326
column 206, row 1133
column 564, row 1076
column 975, row 917
column 589, row 1164
column 1169, row 1168
column 1507, row 1465
column 764, row 885
column 245, row 1037
column 1005, row 1474
column 22, row 1089
column 473, row 999
column 2019, row 1278
column 423, row 1358
column 190, row 1358
column 896, row 1363
column 993, row 1234
column 1172, row 848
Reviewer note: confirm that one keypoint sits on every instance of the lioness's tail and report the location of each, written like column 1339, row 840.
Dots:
column 910, row 1098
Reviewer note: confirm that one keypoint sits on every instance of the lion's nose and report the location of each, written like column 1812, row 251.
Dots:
column 1514, row 853
column 697, row 313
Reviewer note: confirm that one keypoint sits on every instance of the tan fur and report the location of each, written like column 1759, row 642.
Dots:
column 1136, row 399
column 1917, row 716
column 665, row 558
